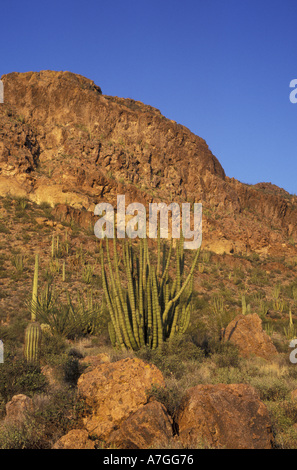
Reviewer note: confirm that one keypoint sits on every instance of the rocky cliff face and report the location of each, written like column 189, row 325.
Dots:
column 65, row 143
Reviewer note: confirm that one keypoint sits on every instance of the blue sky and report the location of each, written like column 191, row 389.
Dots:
column 222, row 68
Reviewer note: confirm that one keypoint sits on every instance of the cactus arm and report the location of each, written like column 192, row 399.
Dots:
column 110, row 306
column 117, row 301
column 131, row 295
column 179, row 293
column 158, row 328
column 149, row 312
column 141, row 295
column 131, row 339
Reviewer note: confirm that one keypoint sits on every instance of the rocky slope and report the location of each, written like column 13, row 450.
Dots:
column 65, row 143
column 125, row 414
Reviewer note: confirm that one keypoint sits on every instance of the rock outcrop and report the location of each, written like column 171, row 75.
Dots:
column 124, row 417
column 65, row 143
column 18, row 407
column 75, row 439
column 150, row 426
column 224, row 416
column 114, row 391
column 246, row 332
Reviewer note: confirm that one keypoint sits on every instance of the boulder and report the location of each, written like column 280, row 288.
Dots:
column 220, row 246
column 114, row 391
column 224, row 416
column 75, row 439
column 246, row 332
column 17, row 408
column 149, row 426
column 50, row 374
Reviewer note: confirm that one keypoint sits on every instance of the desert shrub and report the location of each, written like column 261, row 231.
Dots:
column 226, row 355
column 17, row 376
column 270, row 388
column 169, row 365
column 286, row 439
column 198, row 330
column 46, row 209
column 220, row 315
column 199, row 302
column 25, row 435
column 51, row 418
column 70, row 319
column 227, row 375
column 183, row 347
column 289, row 408
column 52, row 346
column 72, row 370
column 75, row 353
column 4, row 228
column 213, row 347
column 258, row 277
column 283, row 415
column 173, row 356
column 13, row 334
column 170, row 396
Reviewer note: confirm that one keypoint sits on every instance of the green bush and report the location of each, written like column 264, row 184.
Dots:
column 17, row 376
column 270, row 388
column 226, row 355
column 170, row 396
column 52, row 417
column 52, row 346
column 228, row 375
column 25, row 435
column 70, row 319
column 13, row 333
column 173, row 356
column 181, row 346
column 72, row 370
column 283, row 415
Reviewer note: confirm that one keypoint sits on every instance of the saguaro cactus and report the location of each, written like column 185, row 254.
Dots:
column 32, row 342
column 151, row 308
column 33, row 330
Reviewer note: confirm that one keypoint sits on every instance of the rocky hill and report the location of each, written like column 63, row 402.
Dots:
column 65, row 143
column 228, row 381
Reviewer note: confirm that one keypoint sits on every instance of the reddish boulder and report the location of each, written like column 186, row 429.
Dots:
column 149, row 426
column 17, row 408
column 246, row 332
column 114, row 391
column 75, row 439
column 224, row 416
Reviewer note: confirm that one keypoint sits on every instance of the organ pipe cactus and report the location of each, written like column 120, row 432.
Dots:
column 33, row 330
column 151, row 308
